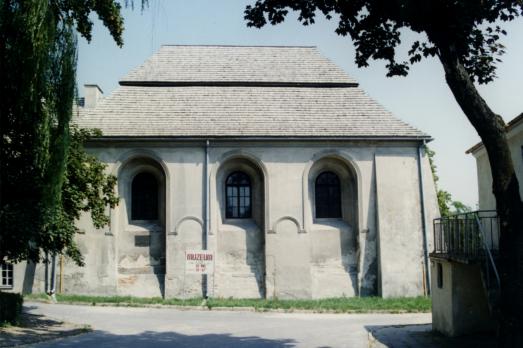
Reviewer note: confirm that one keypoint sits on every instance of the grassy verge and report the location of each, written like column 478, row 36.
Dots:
column 340, row 305
column 117, row 300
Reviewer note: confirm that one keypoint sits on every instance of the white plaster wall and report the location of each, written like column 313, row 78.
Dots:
column 239, row 243
column 460, row 306
column 187, row 236
column 303, row 258
column 334, row 260
column 442, row 302
column 399, row 222
column 289, row 256
column 486, row 197
column 185, row 220
column 240, row 267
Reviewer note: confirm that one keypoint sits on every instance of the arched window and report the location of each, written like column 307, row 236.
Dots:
column 327, row 195
column 144, row 197
column 238, row 196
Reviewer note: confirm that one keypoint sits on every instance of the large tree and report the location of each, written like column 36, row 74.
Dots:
column 38, row 64
column 465, row 36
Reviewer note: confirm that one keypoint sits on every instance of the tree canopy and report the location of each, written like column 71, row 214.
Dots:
column 375, row 28
column 38, row 64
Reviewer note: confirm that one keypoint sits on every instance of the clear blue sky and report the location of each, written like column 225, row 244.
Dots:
column 421, row 99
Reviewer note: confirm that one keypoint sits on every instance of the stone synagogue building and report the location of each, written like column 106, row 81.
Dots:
column 271, row 157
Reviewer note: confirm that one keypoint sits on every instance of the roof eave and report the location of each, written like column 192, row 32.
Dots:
column 420, row 138
column 511, row 125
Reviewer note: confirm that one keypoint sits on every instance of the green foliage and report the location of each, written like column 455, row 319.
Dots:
column 445, row 201
column 374, row 26
column 459, row 208
column 10, row 307
column 38, row 63
column 87, row 188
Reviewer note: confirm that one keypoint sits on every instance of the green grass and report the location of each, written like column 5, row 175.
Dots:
column 341, row 305
column 117, row 300
column 353, row 304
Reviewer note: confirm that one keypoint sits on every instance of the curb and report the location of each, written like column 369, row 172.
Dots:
column 221, row 308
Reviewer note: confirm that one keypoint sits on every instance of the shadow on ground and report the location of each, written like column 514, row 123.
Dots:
column 33, row 328
column 102, row 339
column 422, row 336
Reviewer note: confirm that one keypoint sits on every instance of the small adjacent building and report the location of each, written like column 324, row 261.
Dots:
column 271, row 158
column 465, row 291
column 515, row 143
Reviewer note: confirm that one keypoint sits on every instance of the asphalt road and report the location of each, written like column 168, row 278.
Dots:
column 167, row 327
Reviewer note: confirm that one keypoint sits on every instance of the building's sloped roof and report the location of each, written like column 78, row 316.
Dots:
column 238, row 64
column 512, row 124
column 307, row 96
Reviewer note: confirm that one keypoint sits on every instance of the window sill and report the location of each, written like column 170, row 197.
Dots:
column 240, row 224
column 336, row 223
column 144, row 225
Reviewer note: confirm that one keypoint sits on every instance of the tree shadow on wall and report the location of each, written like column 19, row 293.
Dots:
column 102, row 339
column 29, row 278
column 255, row 254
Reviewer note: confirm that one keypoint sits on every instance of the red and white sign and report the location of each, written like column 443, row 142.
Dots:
column 199, row 262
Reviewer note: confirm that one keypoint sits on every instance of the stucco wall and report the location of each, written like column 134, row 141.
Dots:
column 515, row 141
column 399, row 220
column 283, row 251
column 459, row 306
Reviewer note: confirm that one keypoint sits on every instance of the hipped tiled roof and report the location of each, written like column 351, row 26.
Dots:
column 226, row 91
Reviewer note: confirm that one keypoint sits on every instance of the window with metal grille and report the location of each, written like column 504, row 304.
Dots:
column 7, row 275
column 327, row 193
column 238, row 196
column 144, row 197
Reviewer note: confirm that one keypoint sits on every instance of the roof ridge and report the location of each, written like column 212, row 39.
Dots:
column 222, row 83
column 232, row 45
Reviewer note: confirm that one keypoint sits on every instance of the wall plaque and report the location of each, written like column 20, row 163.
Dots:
column 142, row 241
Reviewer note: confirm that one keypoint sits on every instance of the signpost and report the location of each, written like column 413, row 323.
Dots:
column 198, row 262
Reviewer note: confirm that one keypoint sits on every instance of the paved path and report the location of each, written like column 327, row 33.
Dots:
column 166, row 327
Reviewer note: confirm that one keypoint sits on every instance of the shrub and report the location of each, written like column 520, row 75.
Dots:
column 10, row 307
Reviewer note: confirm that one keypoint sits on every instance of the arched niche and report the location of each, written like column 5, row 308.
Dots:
column 141, row 239
column 241, row 165
column 348, row 187
column 128, row 174
column 240, row 242
column 334, row 240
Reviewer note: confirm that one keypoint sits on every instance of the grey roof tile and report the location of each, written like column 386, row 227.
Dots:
column 240, row 64
column 203, row 109
column 243, row 111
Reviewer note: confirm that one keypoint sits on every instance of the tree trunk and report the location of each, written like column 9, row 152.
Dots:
column 492, row 131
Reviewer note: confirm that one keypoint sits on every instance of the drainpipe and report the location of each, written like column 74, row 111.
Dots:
column 207, row 213
column 50, row 281
column 207, row 189
column 46, row 262
column 423, row 216
column 53, row 278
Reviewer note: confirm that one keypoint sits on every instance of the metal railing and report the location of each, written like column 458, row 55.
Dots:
column 467, row 236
